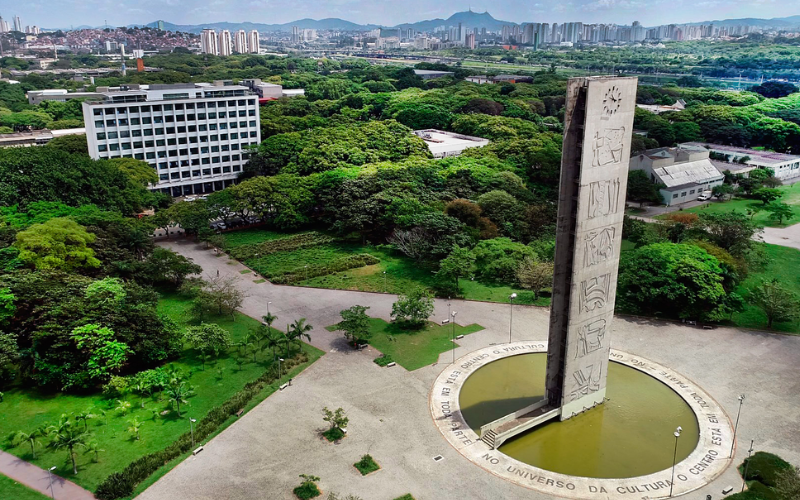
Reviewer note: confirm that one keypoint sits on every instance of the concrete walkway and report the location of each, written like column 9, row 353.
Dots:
column 262, row 454
column 784, row 236
column 38, row 479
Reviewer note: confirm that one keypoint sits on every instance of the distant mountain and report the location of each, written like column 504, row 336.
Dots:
column 467, row 19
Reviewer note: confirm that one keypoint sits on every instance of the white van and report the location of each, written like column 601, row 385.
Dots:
column 705, row 196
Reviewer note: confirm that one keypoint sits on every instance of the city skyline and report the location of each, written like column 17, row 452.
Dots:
column 93, row 13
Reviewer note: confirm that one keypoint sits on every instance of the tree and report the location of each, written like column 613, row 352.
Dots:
column 336, row 419
column 65, row 436
column 774, row 89
column 218, row 294
column 355, row 324
column 138, row 171
column 641, row 189
column 414, row 308
column 720, row 191
column 165, row 267
column 535, row 276
column 767, row 195
column 179, row 393
column 296, row 332
column 787, row 484
column 777, row 302
column 732, row 231
column 502, row 209
column 57, row 244
column 498, row 259
column 105, row 354
column 32, row 438
column 677, row 280
column 73, row 144
column 123, row 407
column 84, row 416
column 456, row 265
column 9, row 354
column 208, row 338
column 779, row 211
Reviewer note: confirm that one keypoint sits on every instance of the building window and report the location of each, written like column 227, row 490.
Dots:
column 195, row 161
column 212, row 116
column 124, row 134
column 206, row 161
column 225, row 147
column 122, row 111
column 216, row 170
column 150, row 155
column 236, row 168
column 223, row 126
column 147, row 120
column 161, row 142
column 201, row 105
column 172, row 142
column 215, row 159
column 233, row 125
column 206, row 171
column 98, row 124
column 253, row 123
column 172, row 152
column 182, row 140
column 97, row 112
column 175, row 175
column 192, row 128
column 226, row 169
column 226, row 159
column 251, row 112
column 195, row 173
column 242, row 113
column 235, row 157
column 191, row 117
column 170, row 130
column 101, row 136
column 202, row 127
column 683, row 194
column 691, row 192
column 180, row 118
column 123, row 122
column 186, row 174
column 136, row 133
column 169, row 119
column 163, row 177
column 111, row 123
column 162, row 154
column 109, row 111
column 204, row 150
column 145, row 109
column 189, row 105
column 113, row 147
column 159, row 131
column 102, row 147
column 139, row 156
column 201, row 116
column 223, row 137
column 158, row 119
column 182, row 130
column 243, row 124
column 134, row 121
column 162, row 166
column 137, row 145
column 253, row 133
column 149, row 144
column 126, row 145
column 113, row 135
column 215, row 149
column 168, row 107
column 148, row 132
column 203, row 138
column 211, row 105
column 234, row 135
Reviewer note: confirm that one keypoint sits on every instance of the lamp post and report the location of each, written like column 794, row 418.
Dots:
column 384, row 282
column 511, row 320
column 453, row 321
column 736, row 427
column 677, row 434
column 50, row 475
column 268, row 303
column 280, row 372
column 191, row 427
column 747, row 464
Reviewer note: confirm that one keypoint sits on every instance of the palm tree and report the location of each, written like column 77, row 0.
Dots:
column 251, row 341
column 94, row 447
column 19, row 437
column 135, row 425
column 178, row 393
column 299, row 329
column 85, row 415
column 269, row 319
column 65, row 435
column 272, row 340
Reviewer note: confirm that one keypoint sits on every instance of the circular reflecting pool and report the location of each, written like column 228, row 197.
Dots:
column 630, row 435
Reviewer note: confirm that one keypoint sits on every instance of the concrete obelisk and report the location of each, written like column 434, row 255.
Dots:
column 594, row 173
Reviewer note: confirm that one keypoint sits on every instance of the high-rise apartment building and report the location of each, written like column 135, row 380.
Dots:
column 295, row 34
column 209, row 43
column 240, row 42
column 195, row 136
column 17, row 24
column 469, row 42
column 160, row 25
column 225, row 43
column 252, row 42
column 3, row 25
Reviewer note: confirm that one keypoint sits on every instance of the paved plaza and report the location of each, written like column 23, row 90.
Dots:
column 262, row 455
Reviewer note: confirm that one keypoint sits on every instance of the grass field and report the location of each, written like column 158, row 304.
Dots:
column 395, row 273
column 10, row 489
column 25, row 409
column 413, row 349
column 791, row 196
column 784, row 264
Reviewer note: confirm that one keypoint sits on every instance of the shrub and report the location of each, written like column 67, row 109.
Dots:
column 121, row 484
column 764, row 467
column 366, row 465
column 383, row 360
column 334, row 434
column 308, row 488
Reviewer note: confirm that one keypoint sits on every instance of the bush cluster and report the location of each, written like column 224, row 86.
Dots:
column 294, row 242
column 335, row 266
column 383, row 360
column 121, row 484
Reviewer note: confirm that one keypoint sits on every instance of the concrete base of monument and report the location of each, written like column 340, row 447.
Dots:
column 706, row 461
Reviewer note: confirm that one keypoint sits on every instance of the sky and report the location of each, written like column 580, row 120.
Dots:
column 66, row 13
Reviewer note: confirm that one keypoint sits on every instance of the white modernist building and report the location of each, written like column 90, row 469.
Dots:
column 684, row 171
column 785, row 166
column 225, row 43
column 444, row 144
column 194, row 135
column 252, row 42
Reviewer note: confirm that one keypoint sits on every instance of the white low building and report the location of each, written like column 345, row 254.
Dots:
column 784, row 165
column 685, row 172
column 444, row 144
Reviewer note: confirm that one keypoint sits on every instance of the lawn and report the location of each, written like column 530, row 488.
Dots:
column 791, row 196
column 395, row 273
column 11, row 489
column 251, row 235
column 413, row 349
column 26, row 409
column 783, row 265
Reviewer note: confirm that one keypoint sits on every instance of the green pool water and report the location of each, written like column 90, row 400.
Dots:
column 630, row 435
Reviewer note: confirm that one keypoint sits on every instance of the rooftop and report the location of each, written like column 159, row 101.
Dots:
column 765, row 157
column 439, row 141
column 687, row 173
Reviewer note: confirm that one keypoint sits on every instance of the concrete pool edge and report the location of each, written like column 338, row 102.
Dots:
column 707, row 461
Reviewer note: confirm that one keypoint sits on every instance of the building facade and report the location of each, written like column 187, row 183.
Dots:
column 225, row 43
column 195, row 136
column 240, row 42
column 446, row 144
column 252, row 42
column 684, row 172
column 209, row 44
column 784, row 166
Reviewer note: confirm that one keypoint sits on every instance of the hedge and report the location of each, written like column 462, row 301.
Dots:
column 335, row 266
column 121, row 484
column 294, row 242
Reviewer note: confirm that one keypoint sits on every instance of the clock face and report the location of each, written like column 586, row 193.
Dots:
column 612, row 101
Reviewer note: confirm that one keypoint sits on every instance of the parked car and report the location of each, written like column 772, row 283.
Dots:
column 190, row 198
column 705, row 196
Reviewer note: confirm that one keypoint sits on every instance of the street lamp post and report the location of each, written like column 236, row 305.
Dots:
column 747, row 464
column 453, row 321
column 50, row 475
column 511, row 319
column 677, row 434
column 268, row 303
column 384, row 282
column 280, row 372
column 736, row 427
column 191, row 427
